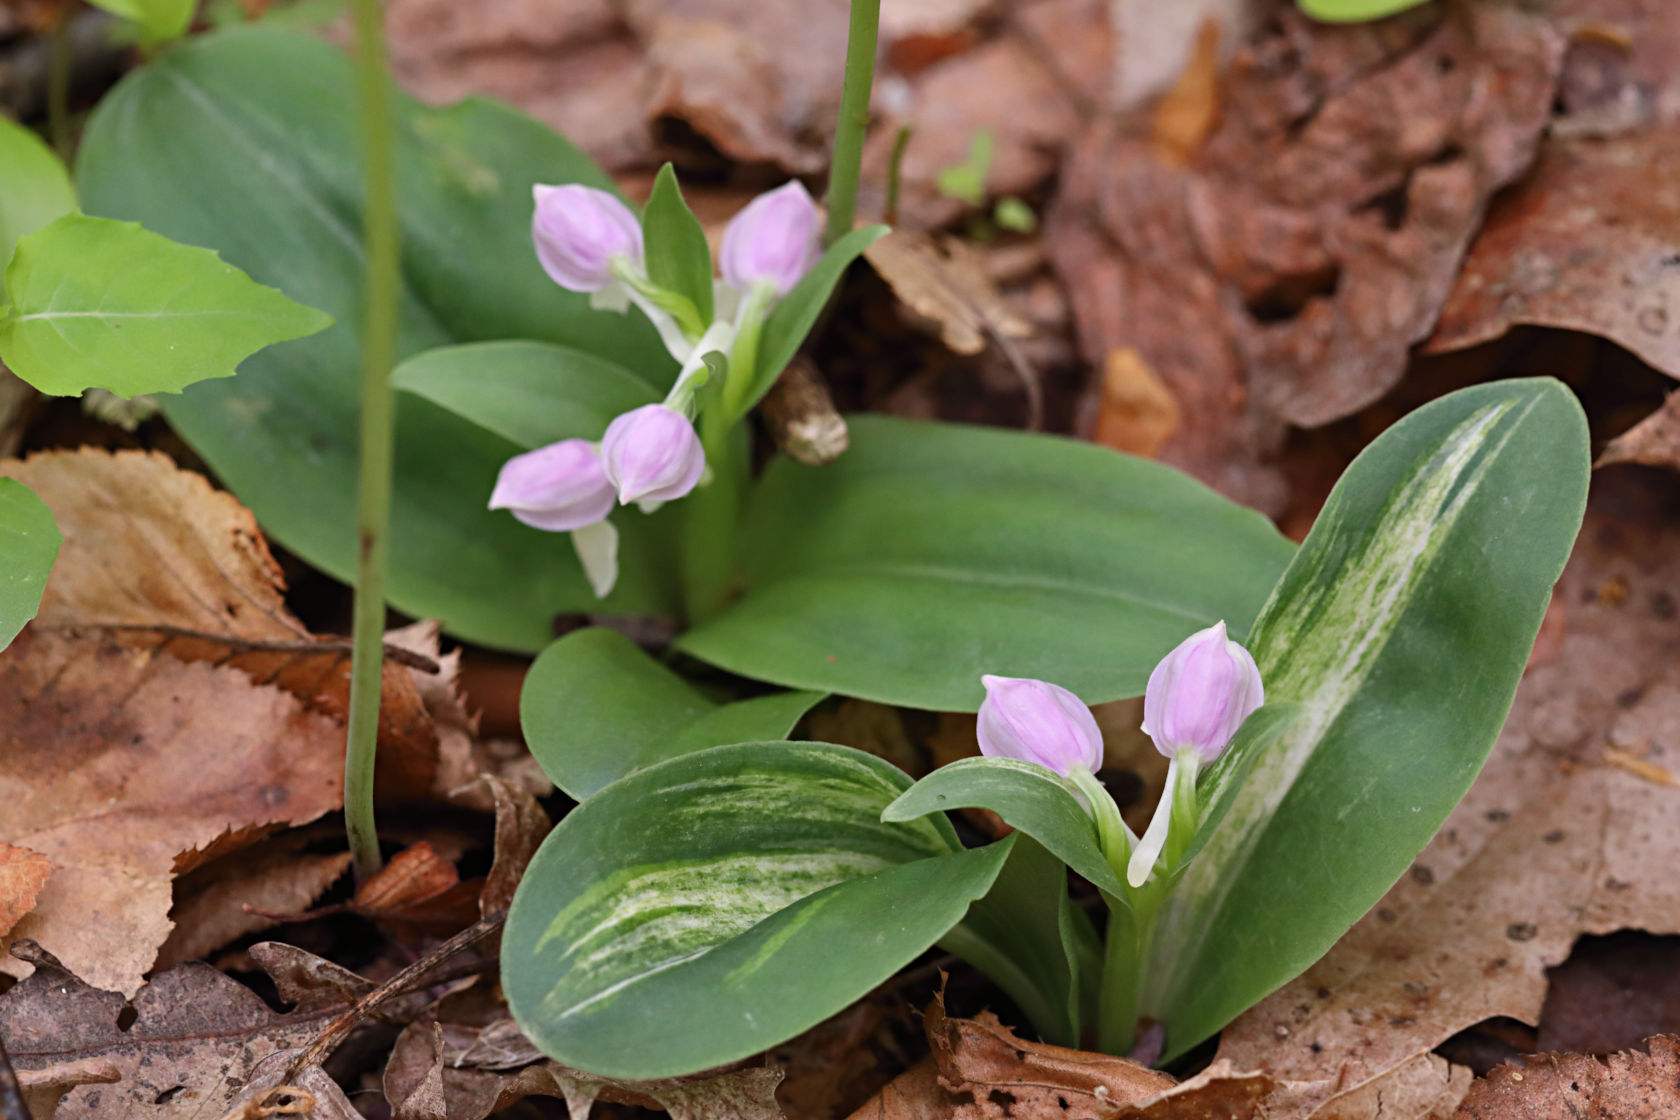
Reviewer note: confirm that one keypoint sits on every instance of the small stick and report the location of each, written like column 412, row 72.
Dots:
column 304, row 646
column 801, row 416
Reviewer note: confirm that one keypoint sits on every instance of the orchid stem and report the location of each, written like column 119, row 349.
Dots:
column 854, row 118
column 373, row 498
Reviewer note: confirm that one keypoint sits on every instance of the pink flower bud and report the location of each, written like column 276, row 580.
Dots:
column 1199, row 695
column 652, row 454
column 1036, row 721
column 578, row 231
column 773, row 238
column 559, row 487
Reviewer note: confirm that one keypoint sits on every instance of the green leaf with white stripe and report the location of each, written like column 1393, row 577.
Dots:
column 1400, row 630
column 715, row 904
column 595, row 707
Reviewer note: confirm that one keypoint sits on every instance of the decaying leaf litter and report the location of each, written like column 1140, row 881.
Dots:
column 1234, row 269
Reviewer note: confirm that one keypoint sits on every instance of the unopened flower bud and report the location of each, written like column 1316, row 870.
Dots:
column 579, row 231
column 1036, row 721
column 1199, row 695
column 559, row 487
column 772, row 240
column 652, row 454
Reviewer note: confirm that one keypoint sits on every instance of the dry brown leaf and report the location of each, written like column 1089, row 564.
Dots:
column 1550, row 843
column 1283, row 276
column 308, row 982
column 945, row 282
column 1654, row 441
column 437, row 1072
column 126, row 767
column 22, row 875
column 1190, row 110
column 1136, row 412
column 157, row 556
column 418, row 889
column 521, row 826
column 196, row 1039
column 1631, row 1086
column 218, row 903
column 979, row 1070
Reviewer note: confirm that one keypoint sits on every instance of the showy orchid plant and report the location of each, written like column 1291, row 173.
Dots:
column 721, row 886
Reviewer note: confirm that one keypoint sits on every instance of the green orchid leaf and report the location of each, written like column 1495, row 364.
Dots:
column 530, row 393
column 1400, row 632
column 1035, row 944
column 1029, row 797
column 34, row 187
column 715, row 904
column 796, row 313
column 595, row 708
column 29, row 540
column 1355, row 11
column 678, row 257
column 929, row 554
column 1223, row 782
column 239, row 141
column 104, row 304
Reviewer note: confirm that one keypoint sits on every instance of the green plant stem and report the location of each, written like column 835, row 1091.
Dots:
column 854, row 118
column 58, row 84
column 711, row 516
column 373, row 498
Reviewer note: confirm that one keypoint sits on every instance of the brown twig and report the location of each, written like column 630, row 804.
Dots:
column 801, row 416
column 12, row 1104
column 339, row 1029
column 303, row 646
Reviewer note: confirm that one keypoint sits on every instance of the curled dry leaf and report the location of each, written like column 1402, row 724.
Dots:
column 231, row 897
column 419, row 891
column 1630, row 1086
column 22, row 875
column 160, row 559
column 979, row 1070
column 944, row 281
column 1654, row 441
column 125, row 768
column 197, row 1038
column 1551, row 842
column 1283, row 275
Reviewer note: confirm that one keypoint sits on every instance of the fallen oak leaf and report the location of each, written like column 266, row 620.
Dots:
column 196, row 1039
column 1629, row 1086
column 125, row 767
column 232, row 897
column 158, row 557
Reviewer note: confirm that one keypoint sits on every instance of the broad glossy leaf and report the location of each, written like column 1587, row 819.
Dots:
column 1401, row 631
column 705, row 908
column 240, row 141
column 1355, row 11
column 1222, row 784
column 29, row 541
column 34, row 187
column 929, row 554
column 796, row 313
column 595, row 707
column 678, row 256
column 1028, row 797
column 1034, row 943
column 529, row 393
column 104, row 304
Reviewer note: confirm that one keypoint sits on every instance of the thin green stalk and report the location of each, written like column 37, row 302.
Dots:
column 373, row 496
column 854, row 118
column 711, row 516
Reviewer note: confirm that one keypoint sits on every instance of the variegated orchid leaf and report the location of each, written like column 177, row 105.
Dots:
column 1397, row 635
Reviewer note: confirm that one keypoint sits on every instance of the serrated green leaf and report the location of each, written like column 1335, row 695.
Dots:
column 1029, row 797
column 34, row 187
column 29, row 540
column 529, row 393
column 1400, row 630
column 931, row 553
column 595, row 707
column 678, row 256
column 108, row 305
column 796, row 313
column 1355, row 11
column 710, row 906
column 239, row 141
